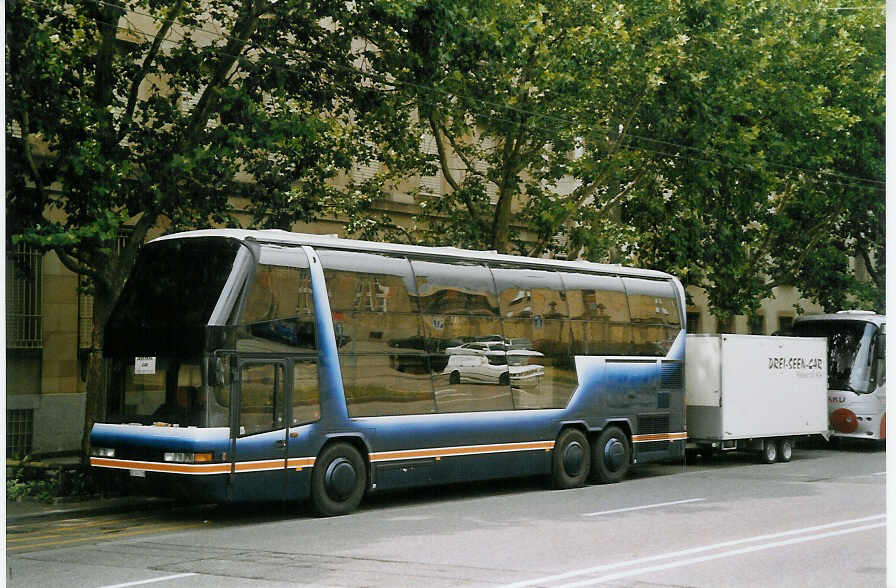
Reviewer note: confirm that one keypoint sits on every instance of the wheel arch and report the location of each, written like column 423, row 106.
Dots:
column 358, row 442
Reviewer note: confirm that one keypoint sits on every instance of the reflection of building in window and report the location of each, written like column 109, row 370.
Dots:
column 370, row 295
column 450, row 301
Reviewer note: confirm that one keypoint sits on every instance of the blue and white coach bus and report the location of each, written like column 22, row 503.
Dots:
column 266, row 365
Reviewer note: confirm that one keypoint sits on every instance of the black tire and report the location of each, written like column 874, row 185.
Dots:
column 611, row 456
column 785, row 449
column 338, row 480
column 570, row 463
column 504, row 379
column 454, row 378
column 769, row 451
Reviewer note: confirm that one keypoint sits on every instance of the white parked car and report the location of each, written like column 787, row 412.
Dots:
column 494, row 367
column 478, row 348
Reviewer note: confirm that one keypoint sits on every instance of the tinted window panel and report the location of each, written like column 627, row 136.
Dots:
column 305, row 392
column 652, row 301
column 278, row 315
column 455, row 289
column 170, row 296
column 524, row 293
column 552, row 389
column 368, row 282
column 601, row 338
column 653, row 340
column 261, row 399
column 368, row 332
column 379, row 385
column 599, row 309
column 593, row 297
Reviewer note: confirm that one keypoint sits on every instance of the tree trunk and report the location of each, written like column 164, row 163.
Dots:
column 95, row 402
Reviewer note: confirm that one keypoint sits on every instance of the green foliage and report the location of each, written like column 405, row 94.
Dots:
column 26, row 481
column 128, row 119
column 737, row 145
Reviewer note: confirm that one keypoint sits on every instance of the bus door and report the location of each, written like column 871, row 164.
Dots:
column 259, row 429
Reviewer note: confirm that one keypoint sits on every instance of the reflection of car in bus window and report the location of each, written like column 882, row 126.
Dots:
column 494, row 368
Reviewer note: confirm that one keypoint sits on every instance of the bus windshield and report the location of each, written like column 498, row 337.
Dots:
column 169, row 298
column 849, row 346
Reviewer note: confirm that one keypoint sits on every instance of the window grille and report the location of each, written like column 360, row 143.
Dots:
column 23, row 299
column 19, row 432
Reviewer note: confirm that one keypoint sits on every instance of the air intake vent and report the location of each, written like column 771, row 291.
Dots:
column 653, row 423
column 670, row 375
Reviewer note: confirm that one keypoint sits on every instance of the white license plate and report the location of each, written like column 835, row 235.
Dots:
column 138, row 473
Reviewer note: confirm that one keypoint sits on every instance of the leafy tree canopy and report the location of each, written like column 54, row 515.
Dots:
column 737, row 145
column 130, row 118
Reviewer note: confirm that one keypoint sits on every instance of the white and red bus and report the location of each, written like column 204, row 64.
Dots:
column 857, row 398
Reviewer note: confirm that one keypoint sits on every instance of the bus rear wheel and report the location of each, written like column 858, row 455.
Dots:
column 769, row 451
column 338, row 480
column 570, row 461
column 611, row 456
column 785, row 449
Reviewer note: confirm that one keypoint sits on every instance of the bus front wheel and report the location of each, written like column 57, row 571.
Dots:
column 338, row 480
column 611, row 456
column 570, row 461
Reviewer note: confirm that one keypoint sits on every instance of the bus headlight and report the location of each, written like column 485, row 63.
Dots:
column 187, row 457
column 102, row 451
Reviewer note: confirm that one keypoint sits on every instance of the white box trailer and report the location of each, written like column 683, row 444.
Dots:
column 754, row 392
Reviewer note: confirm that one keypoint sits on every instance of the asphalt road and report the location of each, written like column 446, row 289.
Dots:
column 817, row 521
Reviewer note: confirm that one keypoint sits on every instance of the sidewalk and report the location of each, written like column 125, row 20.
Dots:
column 28, row 511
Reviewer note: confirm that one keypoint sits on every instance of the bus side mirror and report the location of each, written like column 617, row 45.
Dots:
column 881, row 347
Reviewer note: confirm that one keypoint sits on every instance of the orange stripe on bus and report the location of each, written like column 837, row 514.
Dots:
column 173, row 468
column 461, row 450
column 300, row 462
column 659, row 437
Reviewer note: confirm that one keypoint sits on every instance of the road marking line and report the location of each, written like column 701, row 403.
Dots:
column 691, row 551
column 705, row 558
column 111, row 536
column 151, row 580
column 658, row 505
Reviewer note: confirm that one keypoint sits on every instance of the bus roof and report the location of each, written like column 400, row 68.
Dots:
column 846, row 315
column 286, row 238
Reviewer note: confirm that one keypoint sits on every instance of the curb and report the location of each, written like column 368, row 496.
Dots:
column 100, row 507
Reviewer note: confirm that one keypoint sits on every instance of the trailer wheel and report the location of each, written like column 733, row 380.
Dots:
column 769, row 451
column 570, row 462
column 785, row 449
column 338, row 480
column 610, row 456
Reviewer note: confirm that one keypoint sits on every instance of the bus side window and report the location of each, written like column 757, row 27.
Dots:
column 305, row 393
column 261, row 398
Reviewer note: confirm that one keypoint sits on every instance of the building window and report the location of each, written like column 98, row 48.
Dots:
column 19, row 432
column 785, row 324
column 693, row 324
column 724, row 325
column 757, row 324
column 23, row 299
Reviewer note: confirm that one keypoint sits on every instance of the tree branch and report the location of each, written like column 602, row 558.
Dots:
column 242, row 30
column 140, row 74
column 73, row 264
column 25, row 123
column 443, row 163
